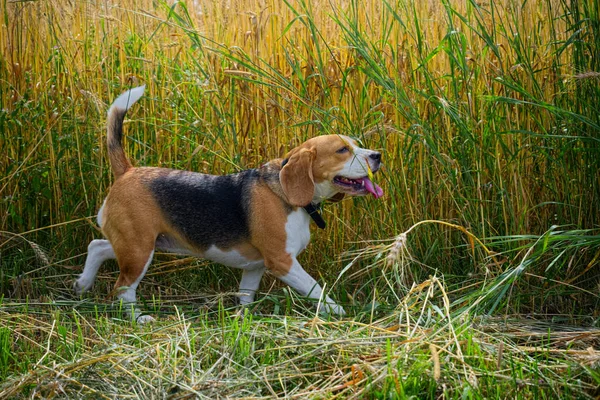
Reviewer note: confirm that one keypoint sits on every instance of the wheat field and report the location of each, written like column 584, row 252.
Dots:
column 475, row 276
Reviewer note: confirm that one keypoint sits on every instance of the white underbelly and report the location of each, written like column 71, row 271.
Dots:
column 231, row 258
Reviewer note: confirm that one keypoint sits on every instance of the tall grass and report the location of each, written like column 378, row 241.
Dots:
column 486, row 112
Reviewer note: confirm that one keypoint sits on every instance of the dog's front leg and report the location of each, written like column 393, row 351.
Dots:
column 249, row 284
column 300, row 280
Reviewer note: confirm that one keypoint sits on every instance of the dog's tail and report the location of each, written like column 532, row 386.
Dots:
column 116, row 114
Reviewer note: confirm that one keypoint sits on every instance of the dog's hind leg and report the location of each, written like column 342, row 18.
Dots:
column 99, row 250
column 133, row 263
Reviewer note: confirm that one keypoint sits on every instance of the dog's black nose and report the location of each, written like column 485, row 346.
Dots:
column 375, row 156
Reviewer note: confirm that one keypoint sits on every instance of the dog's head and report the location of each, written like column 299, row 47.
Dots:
column 327, row 167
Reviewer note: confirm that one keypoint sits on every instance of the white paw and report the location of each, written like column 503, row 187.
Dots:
column 245, row 298
column 332, row 308
column 80, row 286
column 145, row 319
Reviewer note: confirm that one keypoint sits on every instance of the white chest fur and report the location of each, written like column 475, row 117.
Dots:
column 298, row 231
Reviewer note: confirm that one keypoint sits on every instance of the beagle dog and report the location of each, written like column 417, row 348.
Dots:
column 256, row 220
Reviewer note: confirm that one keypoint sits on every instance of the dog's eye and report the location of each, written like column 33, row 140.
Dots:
column 343, row 150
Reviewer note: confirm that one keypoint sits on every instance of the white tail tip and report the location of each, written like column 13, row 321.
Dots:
column 128, row 99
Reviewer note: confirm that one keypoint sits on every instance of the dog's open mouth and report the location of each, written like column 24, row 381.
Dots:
column 357, row 187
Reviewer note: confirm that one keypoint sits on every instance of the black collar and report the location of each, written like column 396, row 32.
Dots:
column 313, row 211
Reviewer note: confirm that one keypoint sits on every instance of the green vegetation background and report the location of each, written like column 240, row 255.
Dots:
column 488, row 115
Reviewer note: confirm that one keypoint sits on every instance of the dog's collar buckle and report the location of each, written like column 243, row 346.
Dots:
column 313, row 211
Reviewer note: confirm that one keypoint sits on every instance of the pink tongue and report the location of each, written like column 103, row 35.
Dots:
column 373, row 188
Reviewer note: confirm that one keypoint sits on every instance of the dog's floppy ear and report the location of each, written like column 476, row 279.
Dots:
column 296, row 177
